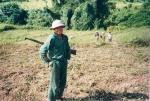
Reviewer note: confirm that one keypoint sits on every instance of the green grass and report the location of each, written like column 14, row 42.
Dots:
column 135, row 37
column 121, row 4
column 16, row 35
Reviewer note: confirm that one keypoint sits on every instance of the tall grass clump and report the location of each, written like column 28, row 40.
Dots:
column 5, row 27
column 135, row 37
column 12, row 13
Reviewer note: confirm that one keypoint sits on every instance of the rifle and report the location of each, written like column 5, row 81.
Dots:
column 72, row 50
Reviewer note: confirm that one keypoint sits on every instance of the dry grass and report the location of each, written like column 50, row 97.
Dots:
column 122, row 4
column 32, row 4
column 104, row 72
column 35, row 4
column 108, row 70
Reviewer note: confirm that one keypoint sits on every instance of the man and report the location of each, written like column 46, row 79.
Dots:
column 109, row 37
column 55, row 52
column 97, row 35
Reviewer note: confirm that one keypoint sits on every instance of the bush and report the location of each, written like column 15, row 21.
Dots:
column 83, row 14
column 3, row 18
column 66, row 15
column 41, row 18
column 83, row 17
column 141, row 18
column 135, row 37
column 13, row 14
column 140, row 42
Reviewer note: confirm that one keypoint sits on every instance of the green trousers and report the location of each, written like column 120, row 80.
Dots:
column 57, row 79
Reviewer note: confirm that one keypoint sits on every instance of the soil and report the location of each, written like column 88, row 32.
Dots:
column 108, row 72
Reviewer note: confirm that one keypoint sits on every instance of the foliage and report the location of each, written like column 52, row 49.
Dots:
column 66, row 15
column 119, row 16
column 83, row 17
column 141, row 18
column 41, row 17
column 130, row 16
column 85, row 13
column 11, row 13
column 79, row 14
column 101, row 9
column 140, row 42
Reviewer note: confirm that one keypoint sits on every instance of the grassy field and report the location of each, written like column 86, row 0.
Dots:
column 105, row 72
column 39, row 4
column 116, row 71
column 122, row 4
column 32, row 4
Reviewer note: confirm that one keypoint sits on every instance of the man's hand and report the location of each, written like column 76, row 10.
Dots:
column 45, row 58
column 50, row 64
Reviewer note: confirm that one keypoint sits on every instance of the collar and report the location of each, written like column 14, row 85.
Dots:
column 55, row 35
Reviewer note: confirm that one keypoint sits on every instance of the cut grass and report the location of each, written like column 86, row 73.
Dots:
column 97, row 73
column 32, row 4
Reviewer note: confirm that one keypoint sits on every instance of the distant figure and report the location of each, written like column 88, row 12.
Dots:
column 103, row 36
column 109, row 37
column 97, row 35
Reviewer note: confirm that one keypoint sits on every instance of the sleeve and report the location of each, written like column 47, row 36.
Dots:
column 68, row 50
column 45, row 49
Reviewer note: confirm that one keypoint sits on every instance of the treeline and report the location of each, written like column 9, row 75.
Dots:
column 78, row 14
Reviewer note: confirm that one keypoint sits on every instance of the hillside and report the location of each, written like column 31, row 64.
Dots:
column 107, row 72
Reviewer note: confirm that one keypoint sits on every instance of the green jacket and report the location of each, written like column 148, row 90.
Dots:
column 55, row 49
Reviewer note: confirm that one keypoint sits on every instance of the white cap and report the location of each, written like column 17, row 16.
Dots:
column 57, row 23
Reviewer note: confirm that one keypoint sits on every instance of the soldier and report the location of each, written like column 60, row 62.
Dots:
column 55, row 52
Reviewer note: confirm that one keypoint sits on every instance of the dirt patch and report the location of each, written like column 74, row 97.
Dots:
column 105, row 70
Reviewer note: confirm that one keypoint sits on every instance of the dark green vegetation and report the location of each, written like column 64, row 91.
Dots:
column 130, row 16
column 79, row 14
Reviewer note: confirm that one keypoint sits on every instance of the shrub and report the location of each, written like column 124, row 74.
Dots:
column 140, row 42
column 140, row 18
column 13, row 14
column 140, row 37
column 41, row 17
column 3, row 18
column 83, row 17
column 83, row 14
column 66, row 15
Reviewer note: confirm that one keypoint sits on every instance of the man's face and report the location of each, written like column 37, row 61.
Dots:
column 58, row 30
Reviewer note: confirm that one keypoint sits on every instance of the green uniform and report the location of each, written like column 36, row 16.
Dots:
column 59, row 52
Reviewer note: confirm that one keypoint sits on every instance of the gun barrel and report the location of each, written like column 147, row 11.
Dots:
column 34, row 40
column 72, row 50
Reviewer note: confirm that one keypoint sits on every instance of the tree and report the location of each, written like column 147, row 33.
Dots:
column 14, row 14
column 83, row 17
